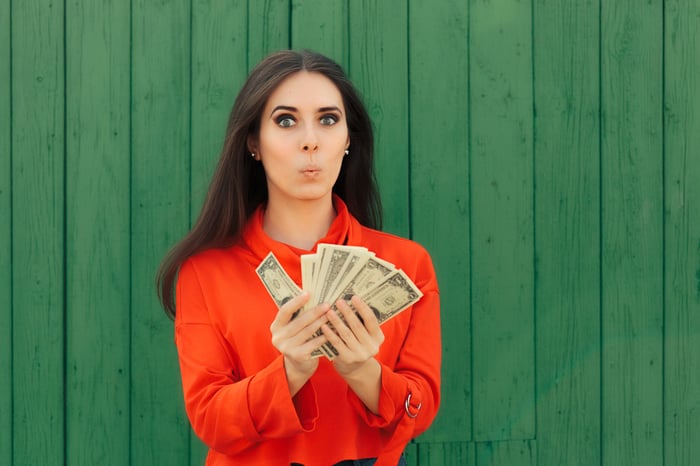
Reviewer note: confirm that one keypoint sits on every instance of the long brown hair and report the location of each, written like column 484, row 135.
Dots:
column 238, row 185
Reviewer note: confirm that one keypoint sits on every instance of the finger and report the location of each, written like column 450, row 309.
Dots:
column 290, row 316
column 288, row 309
column 332, row 337
column 366, row 314
column 314, row 343
column 292, row 338
column 352, row 320
column 306, row 326
column 373, row 336
column 303, row 349
column 343, row 330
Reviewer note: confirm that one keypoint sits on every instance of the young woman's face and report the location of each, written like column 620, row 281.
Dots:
column 303, row 137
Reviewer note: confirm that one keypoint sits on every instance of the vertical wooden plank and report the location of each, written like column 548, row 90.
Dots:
column 5, row 237
column 97, row 235
column 507, row 453
column 379, row 68
column 682, row 252
column 502, row 219
column 632, row 225
column 322, row 26
column 219, row 54
column 440, row 191
column 411, row 454
column 567, row 232
column 268, row 28
column 447, row 454
column 38, row 156
column 159, row 217
column 219, row 67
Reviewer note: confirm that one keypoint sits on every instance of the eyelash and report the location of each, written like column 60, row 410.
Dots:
column 285, row 116
column 332, row 117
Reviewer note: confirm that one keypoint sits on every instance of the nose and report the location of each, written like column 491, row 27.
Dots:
column 309, row 142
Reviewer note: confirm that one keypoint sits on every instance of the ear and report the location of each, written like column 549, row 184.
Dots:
column 347, row 143
column 252, row 143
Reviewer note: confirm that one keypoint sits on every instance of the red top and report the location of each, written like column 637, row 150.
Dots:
column 234, row 383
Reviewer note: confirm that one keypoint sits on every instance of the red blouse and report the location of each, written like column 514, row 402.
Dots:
column 234, row 383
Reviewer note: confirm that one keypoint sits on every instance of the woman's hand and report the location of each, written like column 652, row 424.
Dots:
column 293, row 334
column 357, row 340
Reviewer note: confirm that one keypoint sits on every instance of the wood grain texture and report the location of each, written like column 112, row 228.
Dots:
column 500, row 43
column 38, row 279
column 439, row 122
column 97, row 234
column 379, row 69
column 632, row 233
column 507, row 453
column 268, row 28
column 159, row 217
column 322, row 26
column 567, row 232
column 682, row 238
column 411, row 454
column 219, row 67
column 5, row 237
column 103, row 170
column 447, row 454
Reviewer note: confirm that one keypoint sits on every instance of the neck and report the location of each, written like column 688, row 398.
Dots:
column 300, row 224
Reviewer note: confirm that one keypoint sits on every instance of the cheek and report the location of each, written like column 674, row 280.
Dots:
column 276, row 148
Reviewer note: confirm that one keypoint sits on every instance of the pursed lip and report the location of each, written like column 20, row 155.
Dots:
column 311, row 170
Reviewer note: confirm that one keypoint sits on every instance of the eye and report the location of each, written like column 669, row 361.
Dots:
column 329, row 120
column 285, row 121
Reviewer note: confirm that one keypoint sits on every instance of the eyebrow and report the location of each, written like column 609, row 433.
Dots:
column 294, row 109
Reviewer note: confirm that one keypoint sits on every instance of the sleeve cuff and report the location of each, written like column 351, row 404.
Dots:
column 274, row 412
column 392, row 395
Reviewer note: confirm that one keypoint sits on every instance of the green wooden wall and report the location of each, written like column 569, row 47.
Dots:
column 546, row 152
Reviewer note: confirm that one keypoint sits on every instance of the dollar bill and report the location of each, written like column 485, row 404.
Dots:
column 308, row 272
column 386, row 290
column 281, row 287
column 276, row 281
column 339, row 262
column 340, row 272
column 396, row 293
column 367, row 277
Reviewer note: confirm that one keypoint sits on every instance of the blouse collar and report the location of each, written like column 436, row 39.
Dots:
column 344, row 229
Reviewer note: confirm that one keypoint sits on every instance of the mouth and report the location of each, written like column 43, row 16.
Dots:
column 311, row 170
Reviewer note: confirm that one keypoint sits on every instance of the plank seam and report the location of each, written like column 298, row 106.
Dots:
column 408, row 124
column 600, row 232
column 470, row 245
column 12, row 250
column 534, row 218
column 190, row 434
column 663, row 230
column 130, row 454
column 290, row 22
column 64, row 19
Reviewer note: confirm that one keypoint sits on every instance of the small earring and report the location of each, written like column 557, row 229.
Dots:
column 347, row 151
column 252, row 154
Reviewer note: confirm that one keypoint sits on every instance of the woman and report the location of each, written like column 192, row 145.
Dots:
column 296, row 171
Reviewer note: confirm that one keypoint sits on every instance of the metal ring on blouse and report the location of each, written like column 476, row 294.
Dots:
column 407, row 405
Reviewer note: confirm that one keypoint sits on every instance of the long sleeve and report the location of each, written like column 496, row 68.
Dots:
column 416, row 371
column 231, row 412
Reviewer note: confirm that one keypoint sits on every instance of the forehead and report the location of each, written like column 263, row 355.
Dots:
column 305, row 90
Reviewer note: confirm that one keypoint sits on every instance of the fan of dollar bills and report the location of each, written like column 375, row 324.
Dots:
column 336, row 272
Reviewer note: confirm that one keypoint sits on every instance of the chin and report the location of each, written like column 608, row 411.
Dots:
column 314, row 194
